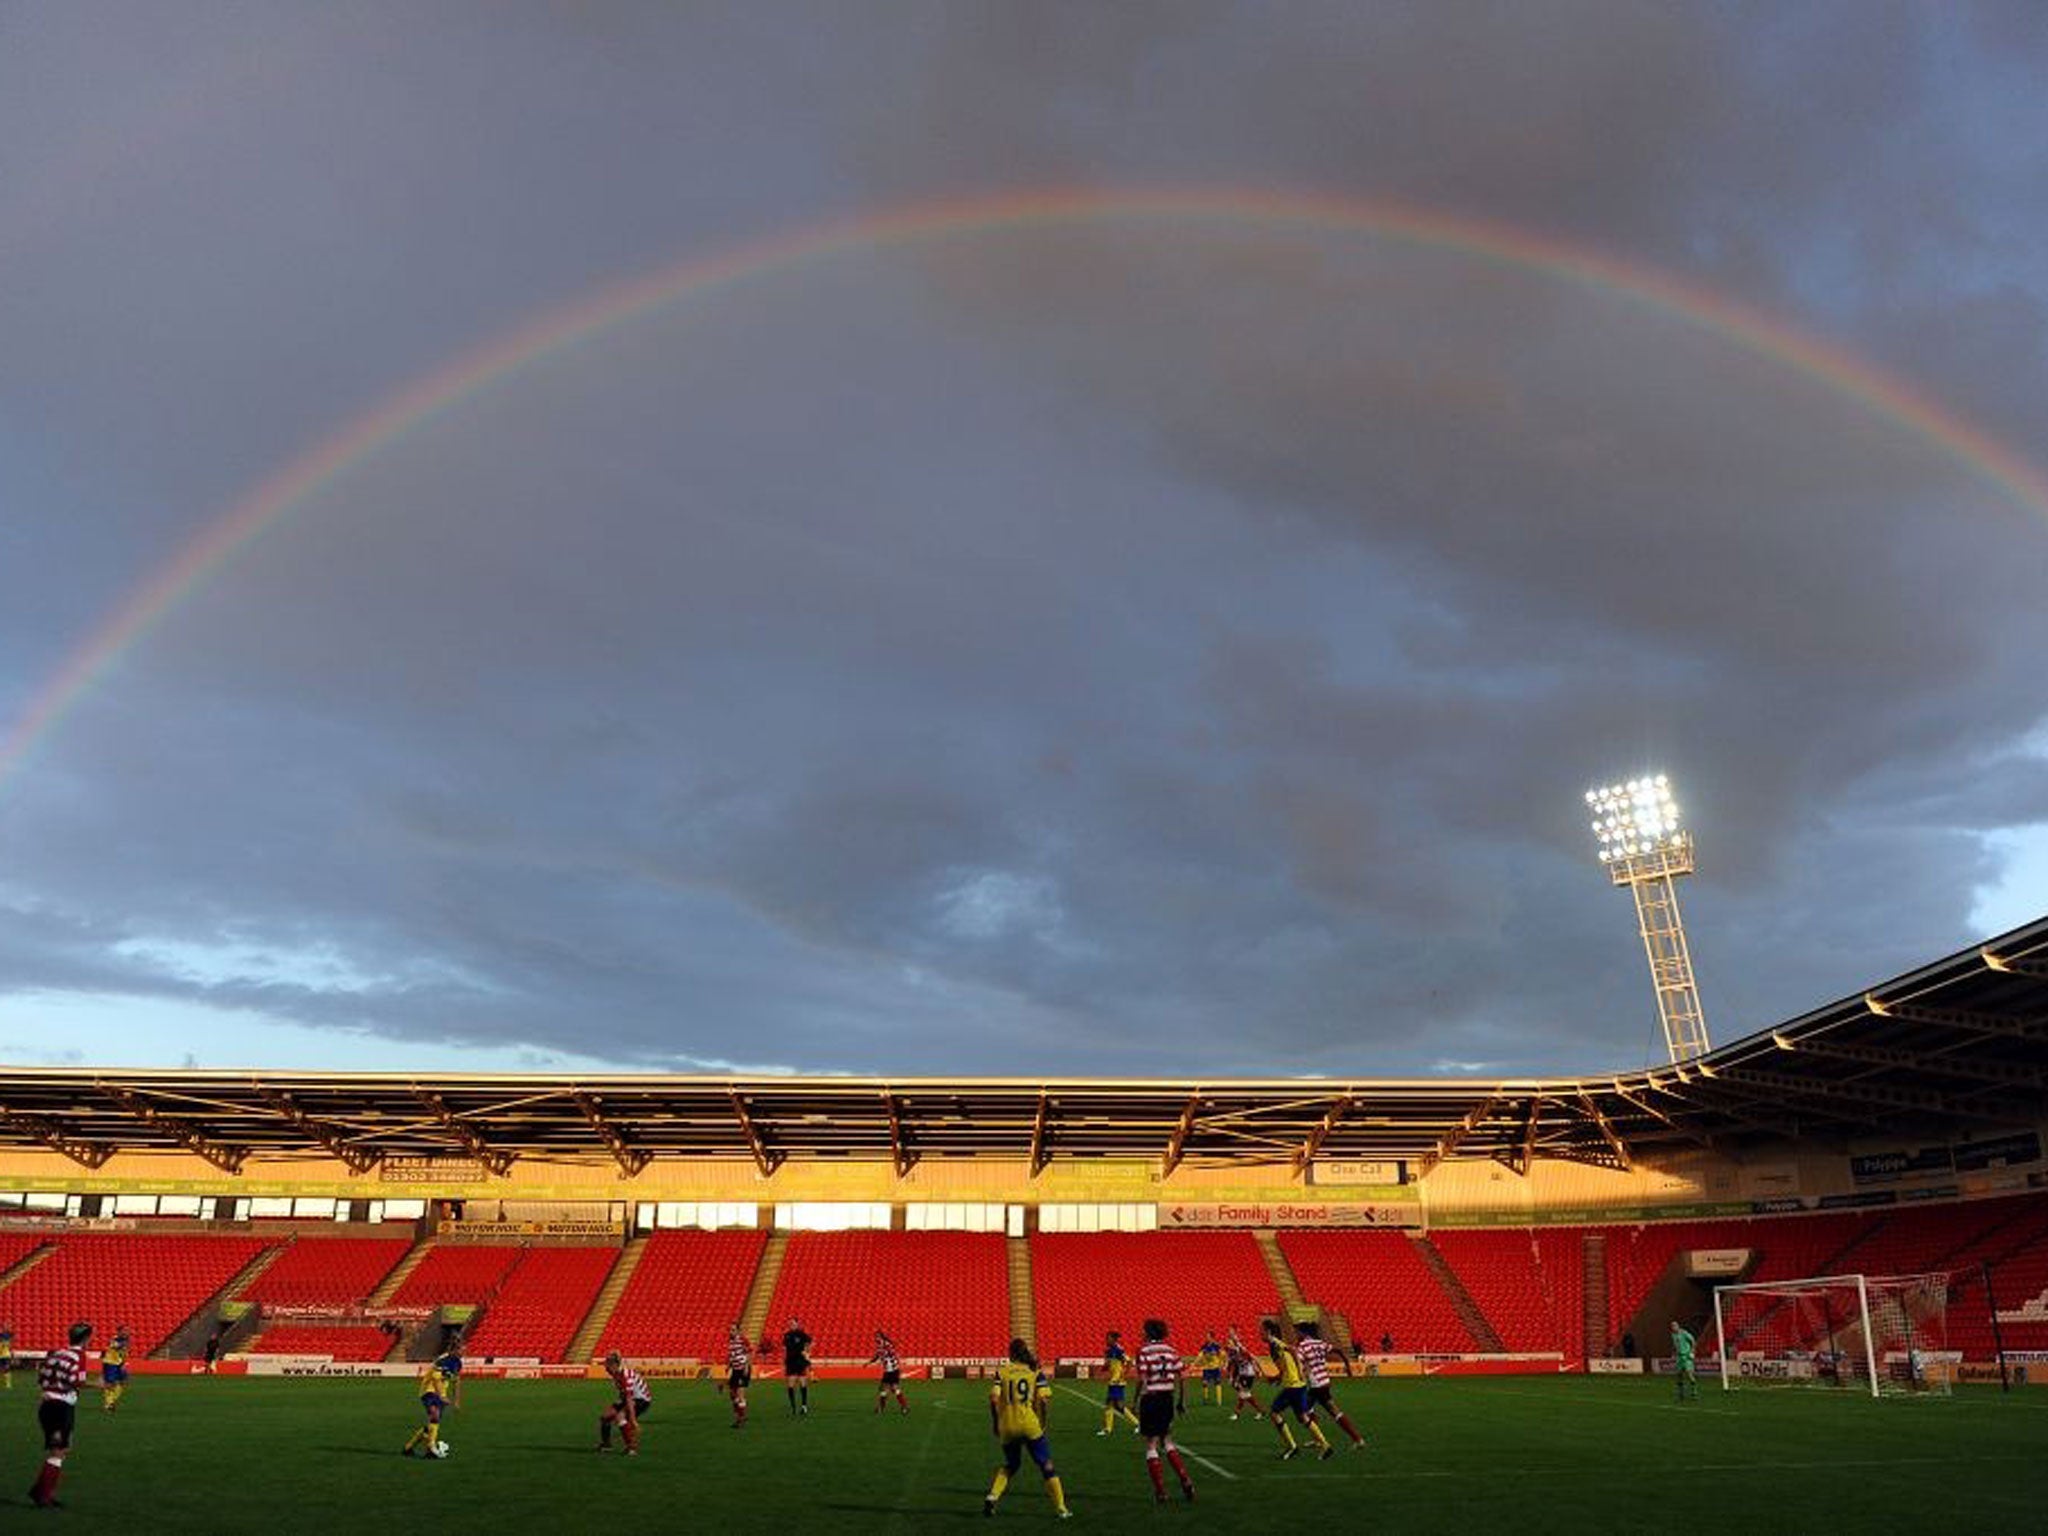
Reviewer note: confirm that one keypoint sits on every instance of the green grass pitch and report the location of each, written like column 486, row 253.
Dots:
column 1485, row 1454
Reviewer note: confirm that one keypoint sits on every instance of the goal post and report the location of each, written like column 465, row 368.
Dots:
column 1886, row 1335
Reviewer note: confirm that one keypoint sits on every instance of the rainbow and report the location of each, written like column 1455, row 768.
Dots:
column 419, row 403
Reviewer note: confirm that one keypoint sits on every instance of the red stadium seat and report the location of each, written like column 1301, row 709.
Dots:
column 540, row 1303
column 937, row 1294
column 688, row 1288
column 327, row 1271
column 1085, row 1284
column 152, row 1283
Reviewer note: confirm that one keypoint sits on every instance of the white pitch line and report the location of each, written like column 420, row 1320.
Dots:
column 1731, row 1466
column 1223, row 1472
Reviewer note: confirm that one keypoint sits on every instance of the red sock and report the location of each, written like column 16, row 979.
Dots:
column 46, row 1480
column 1345, row 1421
column 1158, row 1477
column 740, row 1414
column 902, row 1402
column 1180, row 1469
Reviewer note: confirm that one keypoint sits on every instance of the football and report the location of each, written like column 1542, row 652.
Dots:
column 442, row 1448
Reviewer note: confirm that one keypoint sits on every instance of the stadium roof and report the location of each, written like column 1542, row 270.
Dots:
column 1954, row 1050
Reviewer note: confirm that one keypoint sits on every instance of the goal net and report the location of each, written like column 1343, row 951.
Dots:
column 1885, row 1335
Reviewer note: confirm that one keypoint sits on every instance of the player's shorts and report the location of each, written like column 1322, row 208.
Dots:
column 433, row 1402
column 1039, row 1447
column 1212, row 1378
column 1114, row 1395
column 58, row 1420
column 1685, row 1366
column 1319, row 1397
column 1155, row 1413
column 113, row 1375
column 640, row 1407
column 1295, row 1398
column 796, row 1367
column 738, row 1381
column 891, row 1378
column 1247, row 1376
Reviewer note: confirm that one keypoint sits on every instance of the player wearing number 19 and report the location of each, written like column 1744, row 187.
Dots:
column 1019, row 1406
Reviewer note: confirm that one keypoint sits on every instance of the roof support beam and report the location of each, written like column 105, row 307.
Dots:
column 1614, row 1141
column 87, row 1154
column 2028, row 967
column 766, row 1158
column 1520, row 1159
column 1321, row 1134
column 630, row 1159
column 901, row 1156
column 495, row 1159
column 2009, row 1073
column 1038, row 1124
column 355, row 1159
column 1646, row 1107
column 1475, row 1117
column 1891, row 1098
column 1176, row 1144
column 228, row 1159
column 1959, row 1018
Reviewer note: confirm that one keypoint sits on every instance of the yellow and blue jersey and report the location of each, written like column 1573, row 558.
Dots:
column 1019, row 1394
column 1116, row 1363
column 437, row 1381
column 1285, row 1363
column 1211, row 1358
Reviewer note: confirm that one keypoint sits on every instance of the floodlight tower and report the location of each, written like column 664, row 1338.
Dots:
column 1645, row 849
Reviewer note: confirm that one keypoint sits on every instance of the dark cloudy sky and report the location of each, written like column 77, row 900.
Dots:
column 1153, row 646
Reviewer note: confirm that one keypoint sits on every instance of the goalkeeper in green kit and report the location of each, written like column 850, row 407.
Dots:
column 1682, row 1343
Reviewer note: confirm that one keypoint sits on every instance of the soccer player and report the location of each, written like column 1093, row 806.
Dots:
column 796, row 1368
column 628, row 1411
column 212, row 1350
column 892, row 1372
column 1210, row 1357
column 1019, row 1409
column 114, row 1370
column 739, row 1373
column 440, row 1384
column 6, row 1358
column 1313, row 1350
column 1161, row 1395
column 1116, row 1365
column 1291, row 1393
column 1682, row 1345
column 1244, row 1371
column 58, row 1376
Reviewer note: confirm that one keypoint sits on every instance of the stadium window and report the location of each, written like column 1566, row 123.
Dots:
column 269, row 1207
column 135, row 1205
column 914, row 1217
column 10, row 1201
column 404, row 1210
column 643, row 1216
column 1016, row 1221
column 177, row 1205
column 831, row 1216
column 39, row 1201
column 312, row 1206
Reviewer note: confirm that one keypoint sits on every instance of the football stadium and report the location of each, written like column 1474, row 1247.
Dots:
column 1848, row 1212
column 820, row 766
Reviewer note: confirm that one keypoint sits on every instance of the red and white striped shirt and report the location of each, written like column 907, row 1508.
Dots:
column 632, row 1385
column 1158, row 1366
column 738, row 1357
column 1314, row 1355
column 885, row 1354
column 60, row 1373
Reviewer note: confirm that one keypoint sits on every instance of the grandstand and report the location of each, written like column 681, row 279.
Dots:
column 1533, row 1223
